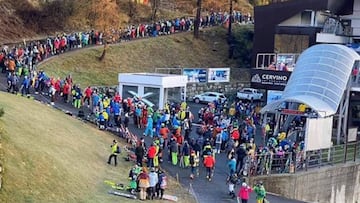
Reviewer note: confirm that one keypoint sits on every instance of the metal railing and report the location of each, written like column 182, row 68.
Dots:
column 292, row 162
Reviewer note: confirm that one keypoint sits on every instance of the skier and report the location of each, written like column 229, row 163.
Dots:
column 231, row 181
column 209, row 163
column 115, row 150
column 194, row 163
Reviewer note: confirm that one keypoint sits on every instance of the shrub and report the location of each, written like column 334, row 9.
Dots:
column 2, row 112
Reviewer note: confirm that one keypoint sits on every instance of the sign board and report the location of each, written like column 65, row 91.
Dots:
column 352, row 134
column 219, row 75
column 292, row 112
column 273, row 95
column 269, row 79
column 318, row 133
column 195, row 75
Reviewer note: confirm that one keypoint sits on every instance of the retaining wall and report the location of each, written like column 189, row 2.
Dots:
column 336, row 184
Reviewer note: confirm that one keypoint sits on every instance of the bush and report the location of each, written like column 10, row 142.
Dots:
column 2, row 112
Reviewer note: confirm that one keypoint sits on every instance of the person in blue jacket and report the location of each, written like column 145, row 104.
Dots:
column 25, row 86
column 149, row 127
column 117, row 110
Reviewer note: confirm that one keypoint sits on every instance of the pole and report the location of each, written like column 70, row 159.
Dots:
column 197, row 20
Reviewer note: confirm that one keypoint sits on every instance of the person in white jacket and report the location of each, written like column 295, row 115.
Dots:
column 153, row 180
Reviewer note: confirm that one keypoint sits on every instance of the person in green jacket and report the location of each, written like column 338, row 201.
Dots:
column 260, row 192
column 115, row 150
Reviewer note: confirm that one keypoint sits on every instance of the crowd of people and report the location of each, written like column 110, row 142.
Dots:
column 223, row 128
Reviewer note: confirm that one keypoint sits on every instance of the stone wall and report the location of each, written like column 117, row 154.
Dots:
column 324, row 185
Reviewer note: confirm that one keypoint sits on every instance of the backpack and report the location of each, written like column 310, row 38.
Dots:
column 118, row 150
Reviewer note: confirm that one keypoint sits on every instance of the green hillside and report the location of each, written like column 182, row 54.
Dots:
column 50, row 157
column 179, row 50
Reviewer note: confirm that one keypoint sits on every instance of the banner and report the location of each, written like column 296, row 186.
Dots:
column 195, row 75
column 269, row 79
column 219, row 75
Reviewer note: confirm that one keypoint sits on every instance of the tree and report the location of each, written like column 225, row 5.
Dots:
column 197, row 19
column 104, row 15
column 154, row 8
column 132, row 8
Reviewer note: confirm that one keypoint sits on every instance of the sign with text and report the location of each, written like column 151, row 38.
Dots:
column 219, row 75
column 195, row 75
column 269, row 79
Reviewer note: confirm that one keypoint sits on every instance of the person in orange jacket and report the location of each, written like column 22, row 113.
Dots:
column 209, row 163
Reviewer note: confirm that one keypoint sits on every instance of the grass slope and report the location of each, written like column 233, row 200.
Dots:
column 180, row 50
column 51, row 157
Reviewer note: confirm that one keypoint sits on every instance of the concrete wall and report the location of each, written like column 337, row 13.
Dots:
column 337, row 184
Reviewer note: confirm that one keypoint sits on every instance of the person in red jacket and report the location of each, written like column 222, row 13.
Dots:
column 66, row 91
column 235, row 134
column 209, row 163
column 151, row 155
column 244, row 193
column 88, row 93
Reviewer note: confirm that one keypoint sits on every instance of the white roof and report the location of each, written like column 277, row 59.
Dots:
column 152, row 80
column 319, row 78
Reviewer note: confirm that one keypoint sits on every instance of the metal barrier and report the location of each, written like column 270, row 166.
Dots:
column 338, row 154
column 293, row 162
column 273, row 163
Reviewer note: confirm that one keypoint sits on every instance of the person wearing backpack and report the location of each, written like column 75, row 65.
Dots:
column 161, row 185
column 115, row 150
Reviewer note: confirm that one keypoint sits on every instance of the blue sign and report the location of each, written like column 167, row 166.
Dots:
column 195, row 75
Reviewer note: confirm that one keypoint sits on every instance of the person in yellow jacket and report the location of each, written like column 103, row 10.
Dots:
column 106, row 118
column 156, row 158
column 115, row 150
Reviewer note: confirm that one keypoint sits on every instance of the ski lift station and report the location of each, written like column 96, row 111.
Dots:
column 325, row 82
column 153, row 89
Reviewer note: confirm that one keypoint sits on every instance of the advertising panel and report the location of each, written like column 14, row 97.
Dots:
column 219, row 75
column 269, row 79
column 195, row 75
column 273, row 95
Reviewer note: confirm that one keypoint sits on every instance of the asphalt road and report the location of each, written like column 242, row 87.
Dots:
column 204, row 191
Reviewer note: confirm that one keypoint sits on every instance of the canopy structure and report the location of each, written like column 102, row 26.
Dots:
column 319, row 79
column 153, row 89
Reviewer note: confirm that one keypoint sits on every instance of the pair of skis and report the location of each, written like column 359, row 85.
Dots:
column 119, row 186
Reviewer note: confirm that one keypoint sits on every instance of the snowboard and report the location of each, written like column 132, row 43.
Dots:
column 121, row 194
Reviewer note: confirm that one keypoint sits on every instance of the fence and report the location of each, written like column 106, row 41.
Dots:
column 292, row 162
